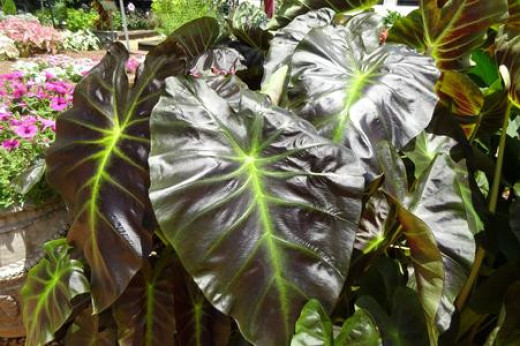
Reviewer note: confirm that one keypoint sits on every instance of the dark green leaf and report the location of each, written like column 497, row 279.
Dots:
column 359, row 97
column 99, row 159
column 406, row 325
column 144, row 312
column 264, row 215
column 290, row 9
column 485, row 68
column 314, row 327
column 48, row 291
column 248, row 24
column 509, row 333
column 514, row 221
column 91, row 330
column 449, row 30
column 359, row 330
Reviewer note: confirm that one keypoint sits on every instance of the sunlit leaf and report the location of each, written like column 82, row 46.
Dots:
column 48, row 291
column 99, row 159
column 264, row 215
column 144, row 312
column 360, row 330
column 359, row 97
column 290, row 9
column 449, row 30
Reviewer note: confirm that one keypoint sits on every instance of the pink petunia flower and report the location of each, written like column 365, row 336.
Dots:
column 10, row 144
column 29, row 120
column 49, row 76
column 47, row 123
column 26, row 131
column 4, row 116
column 58, row 103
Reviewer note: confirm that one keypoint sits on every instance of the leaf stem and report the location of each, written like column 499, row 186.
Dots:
column 481, row 253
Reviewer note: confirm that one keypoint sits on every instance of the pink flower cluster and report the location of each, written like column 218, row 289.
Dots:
column 30, row 36
column 29, row 109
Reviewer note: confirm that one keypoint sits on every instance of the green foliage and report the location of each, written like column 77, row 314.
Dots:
column 80, row 19
column 316, row 184
column 172, row 14
column 8, row 7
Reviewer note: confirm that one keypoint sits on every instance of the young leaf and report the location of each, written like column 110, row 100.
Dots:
column 313, row 327
column 264, row 215
column 449, row 31
column 507, row 54
column 99, row 159
column 92, row 330
column 144, row 312
column 360, row 330
column 427, row 263
column 48, row 291
column 293, row 8
column 359, row 97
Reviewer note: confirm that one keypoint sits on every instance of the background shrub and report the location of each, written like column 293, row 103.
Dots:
column 171, row 14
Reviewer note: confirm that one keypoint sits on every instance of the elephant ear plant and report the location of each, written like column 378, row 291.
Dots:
column 296, row 181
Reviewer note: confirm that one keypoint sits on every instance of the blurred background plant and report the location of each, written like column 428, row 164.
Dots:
column 172, row 14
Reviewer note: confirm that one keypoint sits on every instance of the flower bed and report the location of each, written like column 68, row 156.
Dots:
column 32, row 97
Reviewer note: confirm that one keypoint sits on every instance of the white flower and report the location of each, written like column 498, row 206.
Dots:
column 130, row 7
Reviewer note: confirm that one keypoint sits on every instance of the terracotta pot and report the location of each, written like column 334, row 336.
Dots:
column 22, row 234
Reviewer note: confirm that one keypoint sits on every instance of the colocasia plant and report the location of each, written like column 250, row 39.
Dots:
column 311, row 179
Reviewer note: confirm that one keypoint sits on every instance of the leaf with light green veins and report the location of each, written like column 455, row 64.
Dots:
column 451, row 31
column 48, row 291
column 359, row 330
column 358, row 95
column 99, row 159
column 261, row 210
column 144, row 312
column 290, row 9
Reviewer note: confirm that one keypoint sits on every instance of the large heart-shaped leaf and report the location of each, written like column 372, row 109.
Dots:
column 450, row 30
column 359, row 97
column 293, row 8
column 99, row 159
column 261, row 210
column 48, row 291
column 285, row 40
column 359, row 329
column 144, row 312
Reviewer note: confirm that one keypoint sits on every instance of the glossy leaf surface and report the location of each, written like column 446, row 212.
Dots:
column 449, row 30
column 286, row 39
column 359, row 97
column 313, row 327
column 99, row 159
column 144, row 312
column 261, row 210
column 359, row 329
column 48, row 291
column 293, row 8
